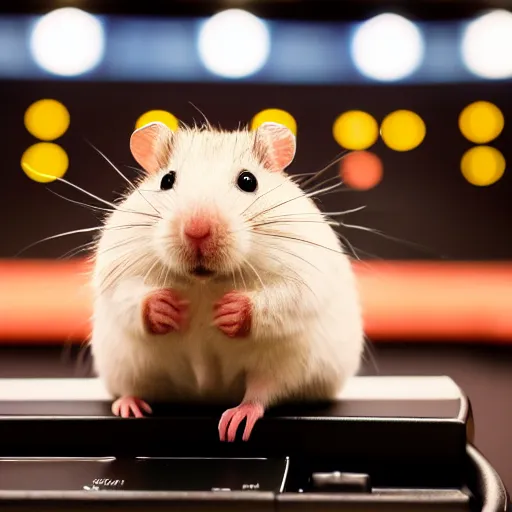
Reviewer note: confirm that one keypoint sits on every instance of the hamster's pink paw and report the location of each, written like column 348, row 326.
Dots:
column 128, row 405
column 164, row 311
column 232, row 314
column 231, row 419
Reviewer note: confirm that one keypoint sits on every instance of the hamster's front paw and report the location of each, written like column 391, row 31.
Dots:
column 126, row 406
column 232, row 314
column 232, row 418
column 164, row 311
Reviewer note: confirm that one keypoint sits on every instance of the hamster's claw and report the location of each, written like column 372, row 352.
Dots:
column 164, row 311
column 127, row 405
column 231, row 419
column 232, row 314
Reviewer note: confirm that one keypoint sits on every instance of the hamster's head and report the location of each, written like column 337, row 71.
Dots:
column 203, row 192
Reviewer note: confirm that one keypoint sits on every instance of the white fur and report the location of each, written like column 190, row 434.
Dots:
column 307, row 332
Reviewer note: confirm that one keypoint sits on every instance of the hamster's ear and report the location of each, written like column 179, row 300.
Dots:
column 276, row 146
column 151, row 146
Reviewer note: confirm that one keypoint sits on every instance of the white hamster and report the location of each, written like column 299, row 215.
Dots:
column 217, row 279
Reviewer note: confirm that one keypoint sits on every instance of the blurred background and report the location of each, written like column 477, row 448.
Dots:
column 405, row 104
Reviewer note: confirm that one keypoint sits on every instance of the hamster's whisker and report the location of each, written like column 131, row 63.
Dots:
column 148, row 273
column 132, row 186
column 318, row 214
column 346, row 242
column 137, row 169
column 355, row 249
column 299, row 280
column 90, row 194
column 291, row 253
column 292, row 221
column 249, row 264
column 303, row 240
column 341, row 191
column 234, row 278
column 322, row 184
column 262, row 195
column 345, row 212
column 85, row 205
column 76, row 232
column 303, row 196
column 388, row 237
column 78, row 250
column 99, row 208
column 121, row 268
column 240, row 272
column 317, row 174
column 167, row 272
column 301, row 174
column 121, row 243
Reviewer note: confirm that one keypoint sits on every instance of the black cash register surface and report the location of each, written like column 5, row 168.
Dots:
column 388, row 443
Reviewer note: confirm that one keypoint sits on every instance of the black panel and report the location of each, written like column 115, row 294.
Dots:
column 219, row 475
column 353, row 436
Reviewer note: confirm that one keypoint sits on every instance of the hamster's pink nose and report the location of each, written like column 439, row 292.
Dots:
column 198, row 229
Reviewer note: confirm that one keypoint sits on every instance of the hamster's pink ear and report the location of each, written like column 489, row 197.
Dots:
column 276, row 145
column 151, row 146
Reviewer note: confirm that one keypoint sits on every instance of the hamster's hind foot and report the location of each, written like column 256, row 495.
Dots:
column 128, row 405
column 164, row 311
column 232, row 314
column 231, row 419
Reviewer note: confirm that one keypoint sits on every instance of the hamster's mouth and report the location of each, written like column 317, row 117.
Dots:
column 201, row 271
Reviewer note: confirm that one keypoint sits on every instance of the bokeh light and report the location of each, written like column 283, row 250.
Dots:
column 274, row 115
column 162, row 116
column 361, row 170
column 234, row 43
column 68, row 42
column 482, row 165
column 45, row 158
column 403, row 130
column 481, row 122
column 486, row 45
column 47, row 119
column 387, row 47
column 355, row 130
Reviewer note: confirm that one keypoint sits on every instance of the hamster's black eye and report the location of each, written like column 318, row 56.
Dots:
column 168, row 181
column 247, row 181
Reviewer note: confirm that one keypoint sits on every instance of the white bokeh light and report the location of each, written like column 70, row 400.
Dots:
column 387, row 47
column 487, row 45
column 234, row 43
column 67, row 42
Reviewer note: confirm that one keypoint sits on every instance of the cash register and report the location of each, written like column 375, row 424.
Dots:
column 387, row 443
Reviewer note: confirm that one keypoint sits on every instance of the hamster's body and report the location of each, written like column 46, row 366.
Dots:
column 273, row 254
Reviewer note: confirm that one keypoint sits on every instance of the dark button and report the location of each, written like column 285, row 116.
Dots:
column 340, row 482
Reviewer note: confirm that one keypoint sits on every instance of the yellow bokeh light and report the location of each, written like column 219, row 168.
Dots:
column 162, row 116
column 356, row 130
column 481, row 122
column 47, row 119
column 403, row 130
column 482, row 165
column 45, row 162
column 274, row 115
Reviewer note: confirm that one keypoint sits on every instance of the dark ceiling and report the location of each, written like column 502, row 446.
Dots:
column 288, row 9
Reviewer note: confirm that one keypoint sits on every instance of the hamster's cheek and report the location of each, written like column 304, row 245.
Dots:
column 165, row 239
column 240, row 237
